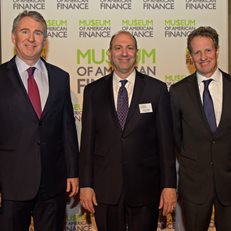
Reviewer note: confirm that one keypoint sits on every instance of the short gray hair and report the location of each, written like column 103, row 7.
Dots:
column 33, row 14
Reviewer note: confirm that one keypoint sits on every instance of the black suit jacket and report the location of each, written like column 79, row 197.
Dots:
column 139, row 160
column 204, row 158
column 32, row 149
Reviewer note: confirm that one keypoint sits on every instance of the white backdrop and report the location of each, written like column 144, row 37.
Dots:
column 79, row 32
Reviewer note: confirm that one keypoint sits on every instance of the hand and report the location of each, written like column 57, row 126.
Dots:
column 88, row 199
column 72, row 186
column 167, row 200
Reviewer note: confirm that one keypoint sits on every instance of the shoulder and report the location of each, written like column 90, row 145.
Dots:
column 8, row 68
column 149, row 81
column 190, row 79
column 8, row 64
column 3, row 66
column 107, row 79
column 226, row 75
column 55, row 69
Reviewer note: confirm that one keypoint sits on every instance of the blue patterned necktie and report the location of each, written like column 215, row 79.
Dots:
column 122, row 103
column 208, row 106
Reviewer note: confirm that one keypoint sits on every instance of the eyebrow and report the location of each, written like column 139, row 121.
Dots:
column 36, row 30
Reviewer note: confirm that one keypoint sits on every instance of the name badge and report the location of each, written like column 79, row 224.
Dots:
column 145, row 108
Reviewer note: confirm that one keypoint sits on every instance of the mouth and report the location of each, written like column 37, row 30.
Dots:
column 30, row 45
column 204, row 63
column 124, row 60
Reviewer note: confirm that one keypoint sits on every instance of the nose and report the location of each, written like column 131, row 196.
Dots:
column 31, row 37
column 124, row 52
column 203, row 56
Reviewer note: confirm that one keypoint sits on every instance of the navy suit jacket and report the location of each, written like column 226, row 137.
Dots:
column 204, row 158
column 137, row 161
column 34, row 150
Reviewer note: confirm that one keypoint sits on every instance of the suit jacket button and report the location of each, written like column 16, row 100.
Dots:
column 38, row 142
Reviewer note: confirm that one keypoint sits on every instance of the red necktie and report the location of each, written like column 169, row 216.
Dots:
column 33, row 92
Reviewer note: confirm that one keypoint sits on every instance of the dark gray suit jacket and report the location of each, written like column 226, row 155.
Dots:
column 32, row 149
column 204, row 158
column 139, row 160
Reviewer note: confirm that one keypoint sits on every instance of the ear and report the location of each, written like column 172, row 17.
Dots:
column 44, row 42
column 191, row 58
column 13, row 38
column 217, row 51
column 109, row 54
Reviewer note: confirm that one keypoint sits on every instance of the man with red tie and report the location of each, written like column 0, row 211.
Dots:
column 38, row 140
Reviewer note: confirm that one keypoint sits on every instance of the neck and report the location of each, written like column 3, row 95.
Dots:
column 123, row 75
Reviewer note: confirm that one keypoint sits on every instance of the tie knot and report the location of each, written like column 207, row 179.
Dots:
column 30, row 71
column 207, row 82
column 123, row 82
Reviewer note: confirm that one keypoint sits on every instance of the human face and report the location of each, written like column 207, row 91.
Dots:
column 123, row 55
column 204, row 55
column 29, row 40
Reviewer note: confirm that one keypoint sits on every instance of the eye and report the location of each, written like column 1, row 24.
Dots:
column 131, row 48
column 196, row 52
column 38, row 33
column 25, row 32
column 117, row 48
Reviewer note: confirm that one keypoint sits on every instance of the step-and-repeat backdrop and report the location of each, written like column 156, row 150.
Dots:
column 79, row 32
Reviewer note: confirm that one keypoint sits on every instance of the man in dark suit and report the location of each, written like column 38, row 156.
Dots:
column 38, row 142
column 127, row 164
column 202, row 126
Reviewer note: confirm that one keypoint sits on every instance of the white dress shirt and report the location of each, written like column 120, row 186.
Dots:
column 216, row 91
column 129, row 86
column 40, row 76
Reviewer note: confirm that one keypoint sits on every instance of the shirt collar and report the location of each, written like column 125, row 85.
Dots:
column 130, row 78
column 22, row 66
column 216, row 76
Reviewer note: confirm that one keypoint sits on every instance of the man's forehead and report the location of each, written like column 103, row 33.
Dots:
column 123, row 40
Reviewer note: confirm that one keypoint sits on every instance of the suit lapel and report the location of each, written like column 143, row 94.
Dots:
column 51, row 82
column 137, row 93
column 16, row 81
column 226, row 109
column 196, row 103
column 194, row 92
column 109, row 97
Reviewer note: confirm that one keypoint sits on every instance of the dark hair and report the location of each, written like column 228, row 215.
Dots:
column 203, row 31
column 33, row 14
column 123, row 32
